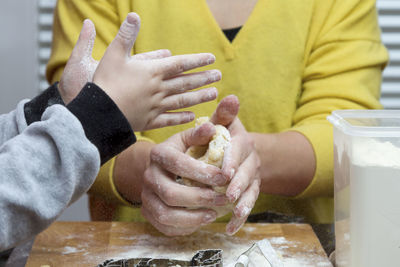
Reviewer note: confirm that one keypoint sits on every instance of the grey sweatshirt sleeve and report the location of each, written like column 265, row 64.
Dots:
column 42, row 170
column 46, row 166
column 10, row 126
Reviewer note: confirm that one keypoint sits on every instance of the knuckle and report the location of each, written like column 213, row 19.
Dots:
column 124, row 33
column 181, row 85
column 179, row 66
column 161, row 215
column 181, row 101
column 156, row 153
column 250, row 141
column 169, row 197
column 258, row 162
column 257, row 183
column 147, row 179
column 204, row 198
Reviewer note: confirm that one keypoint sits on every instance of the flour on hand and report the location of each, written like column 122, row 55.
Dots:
column 213, row 154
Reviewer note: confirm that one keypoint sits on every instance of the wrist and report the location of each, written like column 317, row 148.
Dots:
column 287, row 162
column 129, row 169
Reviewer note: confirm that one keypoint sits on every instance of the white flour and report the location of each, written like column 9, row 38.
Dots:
column 185, row 247
column 369, row 152
column 369, row 235
column 69, row 250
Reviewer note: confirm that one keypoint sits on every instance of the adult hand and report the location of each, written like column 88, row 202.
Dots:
column 241, row 163
column 164, row 201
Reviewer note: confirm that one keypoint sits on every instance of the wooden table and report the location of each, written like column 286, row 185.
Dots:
column 91, row 243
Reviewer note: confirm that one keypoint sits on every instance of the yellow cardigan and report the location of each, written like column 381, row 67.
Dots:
column 291, row 64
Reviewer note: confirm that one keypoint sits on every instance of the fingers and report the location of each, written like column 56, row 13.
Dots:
column 244, row 176
column 243, row 207
column 241, row 146
column 189, row 99
column 170, row 119
column 174, row 194
column 185, row 166
column 84, row 46
column 226, row 111
column 198, row 136
column 185, row 82
column 172, row 66
column 126, row 36
column 176, row 216
column 162, row 53
column 165, row 229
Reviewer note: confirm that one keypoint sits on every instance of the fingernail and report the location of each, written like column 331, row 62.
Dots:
column 132, row 18
column 234, row 195
column 232, row 173
column 231, row 229
column 243, row 212
column 211, row 59
column 212, row 93
column 220, row 200
column 216, row 75
column 210, row 217
column 219, row 179
column 188, row 116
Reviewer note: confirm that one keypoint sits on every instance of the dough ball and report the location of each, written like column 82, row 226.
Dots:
column 213, row 154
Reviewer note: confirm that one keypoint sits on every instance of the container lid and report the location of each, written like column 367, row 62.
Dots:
column 368, row 123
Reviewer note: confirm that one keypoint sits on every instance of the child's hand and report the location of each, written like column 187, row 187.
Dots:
column 81, row 65
column 145, row 88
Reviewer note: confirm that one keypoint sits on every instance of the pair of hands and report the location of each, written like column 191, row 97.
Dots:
column 165, row 202
column 144, row 86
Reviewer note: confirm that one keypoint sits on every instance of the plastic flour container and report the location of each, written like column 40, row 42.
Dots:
column 367, row 187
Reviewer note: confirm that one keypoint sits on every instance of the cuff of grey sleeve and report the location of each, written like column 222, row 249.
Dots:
column 103, row 122
column 34, row 109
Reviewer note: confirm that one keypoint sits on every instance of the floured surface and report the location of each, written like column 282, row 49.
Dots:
column 183, row 248
column 88, row 244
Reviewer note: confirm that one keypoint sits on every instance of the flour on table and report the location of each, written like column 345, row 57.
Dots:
column 184, row 248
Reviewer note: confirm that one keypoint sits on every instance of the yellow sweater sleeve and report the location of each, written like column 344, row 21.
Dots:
column 68, row 18
column 343, row 71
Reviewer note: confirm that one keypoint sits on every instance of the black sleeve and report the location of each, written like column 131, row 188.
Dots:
column 34, row 109
column 104, row 124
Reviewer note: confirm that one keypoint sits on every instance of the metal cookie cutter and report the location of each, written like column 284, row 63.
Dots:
column 203, row 258
column 267, row 251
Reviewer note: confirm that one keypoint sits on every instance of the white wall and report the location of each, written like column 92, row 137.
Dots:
column 19, row 71
column 17, row 52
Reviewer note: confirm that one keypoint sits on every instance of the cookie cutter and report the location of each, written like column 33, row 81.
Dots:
column 202, row 258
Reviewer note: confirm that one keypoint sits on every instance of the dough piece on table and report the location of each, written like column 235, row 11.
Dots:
column 213, row 154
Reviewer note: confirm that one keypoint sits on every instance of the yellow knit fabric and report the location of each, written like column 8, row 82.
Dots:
column 291, row 64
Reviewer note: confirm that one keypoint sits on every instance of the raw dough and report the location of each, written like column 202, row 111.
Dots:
column 212, row 154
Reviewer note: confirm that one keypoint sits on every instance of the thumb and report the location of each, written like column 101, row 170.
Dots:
column 226, row 111
column 84, row 46
column 198, row 136
column 126, row 36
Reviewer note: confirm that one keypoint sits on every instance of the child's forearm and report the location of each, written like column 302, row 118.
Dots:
column 42, row 170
